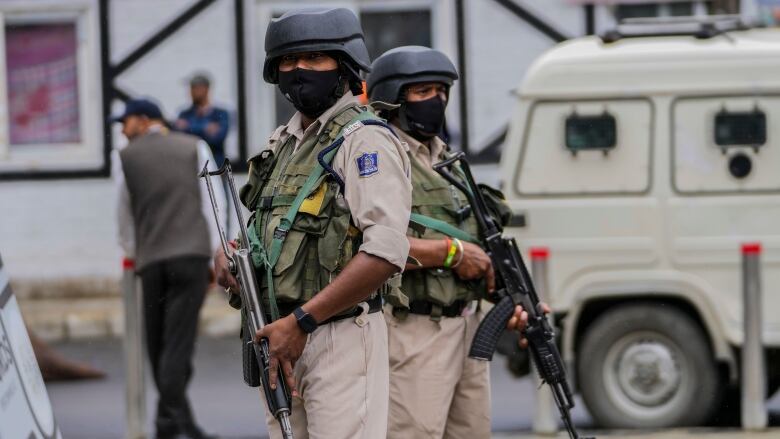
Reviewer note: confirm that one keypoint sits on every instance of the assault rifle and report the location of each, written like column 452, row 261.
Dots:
column 513, row 287
column 240, row 265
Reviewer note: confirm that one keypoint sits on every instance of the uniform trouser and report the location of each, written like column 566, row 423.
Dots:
column 436, row 391
column 174, row 290
column 342, row 381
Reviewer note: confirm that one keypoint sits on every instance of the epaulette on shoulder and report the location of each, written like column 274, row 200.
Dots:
column 277, row 134
column 366, row 117
column 274, row 137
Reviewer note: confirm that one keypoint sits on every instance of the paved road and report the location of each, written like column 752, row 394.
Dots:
column 224, row 405
column 697, row 433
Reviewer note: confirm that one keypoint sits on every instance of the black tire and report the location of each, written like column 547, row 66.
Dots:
column 729, row 411
column 645, row 365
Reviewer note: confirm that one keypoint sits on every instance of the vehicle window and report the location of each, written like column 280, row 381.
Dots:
column 725, row 144
column 590, row 132
column 740, row 128
column 586, row 147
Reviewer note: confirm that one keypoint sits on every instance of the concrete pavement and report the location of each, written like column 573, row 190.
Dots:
column 67, row 315
column 695, row 433
column 224, row 405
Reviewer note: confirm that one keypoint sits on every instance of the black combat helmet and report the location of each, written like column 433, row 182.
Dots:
column 405, row 65
column 316, row 30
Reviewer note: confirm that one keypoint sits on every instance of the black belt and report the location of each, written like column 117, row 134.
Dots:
column 426, row 308
column 374, row 305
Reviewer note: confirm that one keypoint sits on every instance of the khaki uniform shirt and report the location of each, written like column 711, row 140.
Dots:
column 380, row 203
column 428, row 155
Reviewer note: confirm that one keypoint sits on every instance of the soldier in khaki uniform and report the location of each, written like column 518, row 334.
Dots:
column 436, row 391
column 321, row 268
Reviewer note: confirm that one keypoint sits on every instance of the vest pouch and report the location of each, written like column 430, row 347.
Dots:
column 496, row 205
column 443, row 288
column 297, row 273
column 336, row 248
column 314, row 214
column 433, row 185
column 393, row 292
column 260, row 167
column 289, row 269
column 433, row 198
column 430, row 198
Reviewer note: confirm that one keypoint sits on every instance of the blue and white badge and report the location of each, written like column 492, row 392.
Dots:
column 368, row 164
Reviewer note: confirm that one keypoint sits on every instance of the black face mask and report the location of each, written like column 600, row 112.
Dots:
column 310, row 91
column 424, row 119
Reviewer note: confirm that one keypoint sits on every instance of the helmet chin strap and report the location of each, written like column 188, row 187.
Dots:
column 349, row 76
column 402, row 119
column 340, row 89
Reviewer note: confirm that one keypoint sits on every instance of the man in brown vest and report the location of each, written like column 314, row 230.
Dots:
column 163, row 215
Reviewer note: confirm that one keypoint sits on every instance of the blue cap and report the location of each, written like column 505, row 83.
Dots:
column 139, row 107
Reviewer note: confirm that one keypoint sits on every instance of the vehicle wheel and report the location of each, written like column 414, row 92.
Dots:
column 645, row 365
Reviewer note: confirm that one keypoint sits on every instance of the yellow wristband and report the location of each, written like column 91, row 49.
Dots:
column 460, row 252
column 451, row 253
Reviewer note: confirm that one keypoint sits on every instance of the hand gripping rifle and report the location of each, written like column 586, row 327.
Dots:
column 514, row 287
column 240, row 265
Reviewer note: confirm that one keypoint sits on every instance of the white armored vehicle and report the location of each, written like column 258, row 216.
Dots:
column 643, row 160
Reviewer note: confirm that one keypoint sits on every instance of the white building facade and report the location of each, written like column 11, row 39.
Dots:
column 65, row 65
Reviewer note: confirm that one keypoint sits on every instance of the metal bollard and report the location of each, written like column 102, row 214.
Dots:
column 545, row 419
column 754, row 412
column 135, row 382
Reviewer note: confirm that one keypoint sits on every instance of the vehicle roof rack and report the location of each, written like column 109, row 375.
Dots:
column 697, row 27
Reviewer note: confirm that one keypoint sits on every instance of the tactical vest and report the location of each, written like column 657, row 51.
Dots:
column 321, row 239
column 434, row 197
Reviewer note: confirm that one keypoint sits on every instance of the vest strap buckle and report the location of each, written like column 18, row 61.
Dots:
column 280, row 233
column 463, row 213
column 265, row 203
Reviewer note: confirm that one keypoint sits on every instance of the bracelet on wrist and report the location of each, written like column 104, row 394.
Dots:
column 460, row 252
column 452, row 249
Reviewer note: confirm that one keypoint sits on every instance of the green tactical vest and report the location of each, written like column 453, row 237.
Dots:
column 434, row 197
column 322, row 239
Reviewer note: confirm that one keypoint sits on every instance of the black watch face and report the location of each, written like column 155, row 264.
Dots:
column 306, row 322
column 309, row 323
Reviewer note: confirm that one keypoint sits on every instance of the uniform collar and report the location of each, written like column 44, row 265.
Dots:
column 157, row 129
column 414, row 146
column 295, row 126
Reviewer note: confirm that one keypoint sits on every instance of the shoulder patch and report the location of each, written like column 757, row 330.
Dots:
column 368, row 164
column 352, row 128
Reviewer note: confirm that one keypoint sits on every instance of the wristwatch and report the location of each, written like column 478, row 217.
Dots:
column 305, row 320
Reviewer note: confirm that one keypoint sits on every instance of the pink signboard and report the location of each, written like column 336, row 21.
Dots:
column 42, row 83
